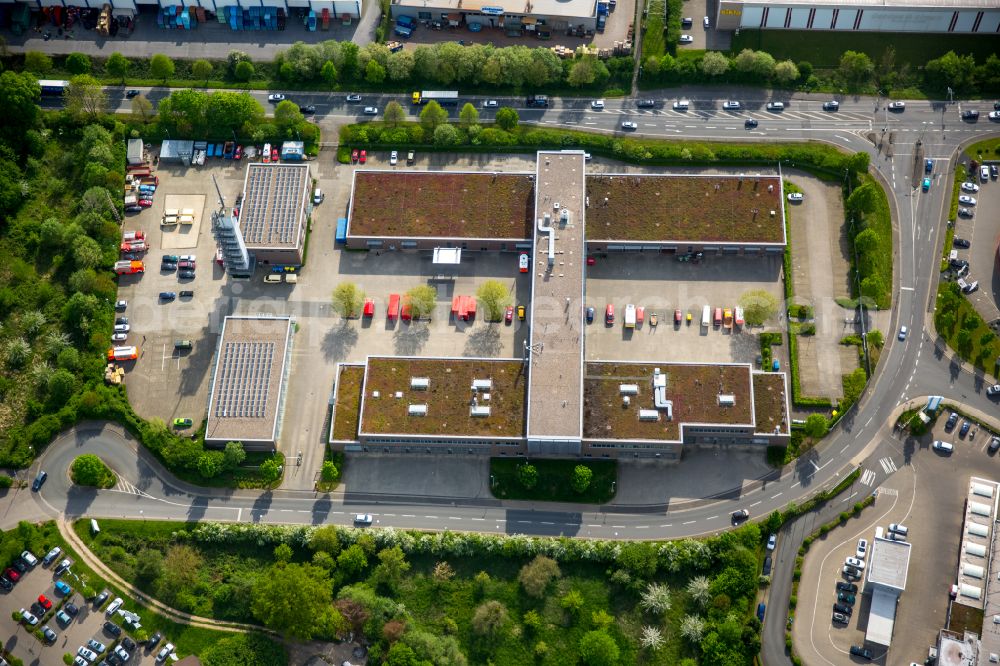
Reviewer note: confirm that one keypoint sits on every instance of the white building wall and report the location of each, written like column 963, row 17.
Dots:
column 351, row 7
column 874, row 18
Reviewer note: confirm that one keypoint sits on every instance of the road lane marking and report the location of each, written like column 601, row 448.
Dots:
column 797, row 483
column 690, row 522
column 479, row 519
column 547, row 523
column 667, row 525
column 755, row 503
column 775, row 496
column 454, row 518
column 618, row 527
column 595, row 526
column 408, row 515
column 239, row 515
column 641, row 527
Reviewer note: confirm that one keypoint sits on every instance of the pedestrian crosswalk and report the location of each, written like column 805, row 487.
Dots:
column 887, row 464
column 868, row 477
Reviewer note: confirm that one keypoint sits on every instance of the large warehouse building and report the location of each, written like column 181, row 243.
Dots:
column 956, row 16
column 537, row 16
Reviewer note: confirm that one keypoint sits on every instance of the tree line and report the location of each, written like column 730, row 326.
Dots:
column 856, row 71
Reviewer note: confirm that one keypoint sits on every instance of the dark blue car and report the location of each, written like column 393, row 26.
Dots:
column 760, row 611
column 167, row 295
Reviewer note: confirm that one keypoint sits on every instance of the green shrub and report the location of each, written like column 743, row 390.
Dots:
column 793, row 601
column 89, row 470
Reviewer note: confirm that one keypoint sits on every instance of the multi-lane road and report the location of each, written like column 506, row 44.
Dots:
column 914, row 367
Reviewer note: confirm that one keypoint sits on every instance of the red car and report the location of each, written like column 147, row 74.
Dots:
column 12, row 574
column 45, row 602
column 239, row 153
column 363, row 157
column 274, row 154
column 369, row 308
column 509, row 315
column 609, row 314
column 354, row 156
column 591, row 261
column 677, row 317
column 145, row 203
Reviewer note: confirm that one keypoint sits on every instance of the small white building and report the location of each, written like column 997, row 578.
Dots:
column 135, row 151
column 885, row 579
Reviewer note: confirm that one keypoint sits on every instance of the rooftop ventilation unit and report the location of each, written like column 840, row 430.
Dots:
column 482, row 384
column 727, row 400
column 479, row 410
column 649, row 415
column 972, row 592
column 975, row 549
column 398, row 394
column 564, row 216
column 417, row 410
column 982, row 489
column 628, row 389
column 973, row 571
column 980, row 509
column 626, row 401
column 422, row 383
column 975, row 529
column 375, row 394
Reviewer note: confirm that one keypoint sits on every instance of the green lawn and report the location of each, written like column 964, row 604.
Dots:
column 988, row 149
column 654, row 42
column 554, row 480
column 823, row 49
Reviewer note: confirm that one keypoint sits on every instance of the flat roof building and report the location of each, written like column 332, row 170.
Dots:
column 555, row 348
column 273, row 211
column 923, row 16
column 885, row 579
column 246, row 394
column 531, row 17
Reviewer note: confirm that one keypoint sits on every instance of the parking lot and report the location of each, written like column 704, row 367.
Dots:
column 85, row 625
column 927, row 494
column 661, row 284
column 982, row 230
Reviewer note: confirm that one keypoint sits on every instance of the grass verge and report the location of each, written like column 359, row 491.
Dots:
column 964, row 329
column 554, row 478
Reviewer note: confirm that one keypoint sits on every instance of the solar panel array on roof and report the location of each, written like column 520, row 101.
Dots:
column 272, row 204
column 243, row 381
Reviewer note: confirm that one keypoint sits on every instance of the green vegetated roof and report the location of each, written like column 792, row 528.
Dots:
column 721, row 208
column 693, row 389
column 770, row 401
column 441, row 204
column 448, row 397
column 347, row 409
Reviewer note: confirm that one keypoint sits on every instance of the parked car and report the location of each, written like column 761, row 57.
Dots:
column 63, row 589
column 96, row 645
column 132, row 93
column 771, row 541
column 186, row 274
column 685, row 39
column 308, row 110
column 590, row 314
column 155, row 639
column 520, row 313
column 964, row 430
column 112, row 629
column 393, row 158
column 71, row 609
column 28, row 618
column 13, row 575
column 796, row 196
column 832, row 105
column 119, row 337
column 898, row 528
column 114, row 606
column 51, row 556
column 862, row 549
column 846, row 597
column 766, row 569
column 63, row 566
column 609, row 314
column 120, row 306
column 843, row 608
column 183, row 423
column 761, row 609
column 993, row 390
column 994, row 444
column 855, row 562
column 970, row 187
column 354, row 156
column 967, row 200
column 775, row 106
column 167, row 295
column 960, row 242
column 89, row 655
column 732, row 105
column 363, row 157
column 840, row 618
column 49, row 635
column 965, row 212
column 847, row 587
column 508, row 315
column 943, row 447
column 646, row 104
column 101, row 598
column 29, row 558
column 950, row 423
column 860, row 650
column 851, row 573
column 491, row 104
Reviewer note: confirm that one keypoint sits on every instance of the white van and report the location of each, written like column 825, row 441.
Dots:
column 899, row 529
column 706, row 317
column 317, row 196
column 291, row 278
column 272, row 278
column 682, row 105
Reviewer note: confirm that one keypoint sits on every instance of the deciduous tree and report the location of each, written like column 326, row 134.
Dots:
column 422, row 300
column 85, row 97
column 582, row 476
column 714, row 63
column 117, row 65
column 494, row 297
column 598, row 648
column 348, row 299
column 161, row 67
column 489, row 618
column 469, row 115
column 536, row 575
column 432, row 115
column 394, row 113
column 507, row 118
column 758, row 306
column 295, row 600
column 202, row 69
